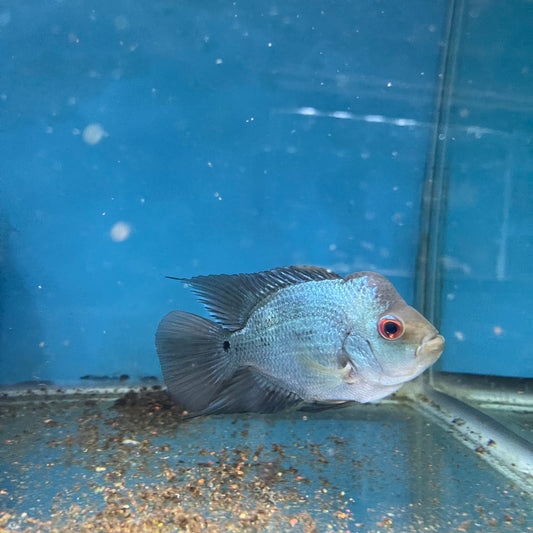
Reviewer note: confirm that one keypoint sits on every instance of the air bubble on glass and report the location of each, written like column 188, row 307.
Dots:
column 120, row 231
column 93, row 134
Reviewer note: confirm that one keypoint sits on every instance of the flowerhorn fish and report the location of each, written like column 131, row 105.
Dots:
column 290, row 335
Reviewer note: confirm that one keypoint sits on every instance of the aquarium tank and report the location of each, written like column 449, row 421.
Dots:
column 145, row 141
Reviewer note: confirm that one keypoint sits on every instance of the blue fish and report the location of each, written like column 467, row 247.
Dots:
column 292, row 335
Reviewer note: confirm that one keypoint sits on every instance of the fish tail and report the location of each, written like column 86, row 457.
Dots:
column 193, row 355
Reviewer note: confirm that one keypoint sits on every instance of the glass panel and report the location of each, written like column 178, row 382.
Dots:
column 479, row 235
column 488, row 284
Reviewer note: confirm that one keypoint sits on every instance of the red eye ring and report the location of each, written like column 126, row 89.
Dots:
column 390, row 328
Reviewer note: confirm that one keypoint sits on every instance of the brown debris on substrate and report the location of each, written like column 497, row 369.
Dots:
column 149, row 410
column 231, row 490
column 157, row 509
column 138, row 478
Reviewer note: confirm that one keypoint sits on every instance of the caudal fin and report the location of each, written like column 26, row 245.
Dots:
column 193, row 358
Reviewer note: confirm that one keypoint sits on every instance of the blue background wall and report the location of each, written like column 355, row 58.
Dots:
column 229, row 137
column 207, row 156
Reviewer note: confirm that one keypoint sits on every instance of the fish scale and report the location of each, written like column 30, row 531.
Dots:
column 307, row 321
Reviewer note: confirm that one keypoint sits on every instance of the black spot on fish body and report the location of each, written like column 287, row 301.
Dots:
column 226, row 346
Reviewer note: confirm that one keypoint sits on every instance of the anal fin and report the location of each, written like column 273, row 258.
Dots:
column 249, row 391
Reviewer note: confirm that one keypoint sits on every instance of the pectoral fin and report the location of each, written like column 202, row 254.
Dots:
column 344, row 372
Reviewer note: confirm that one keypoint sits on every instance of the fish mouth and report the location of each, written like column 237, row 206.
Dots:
column 431, row 347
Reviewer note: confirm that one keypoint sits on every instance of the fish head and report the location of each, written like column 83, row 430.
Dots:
column 390, row 342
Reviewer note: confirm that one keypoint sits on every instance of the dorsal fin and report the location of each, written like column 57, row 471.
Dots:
column 231, row 298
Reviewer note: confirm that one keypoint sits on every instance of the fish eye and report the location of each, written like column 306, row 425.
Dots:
column 390, row 327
